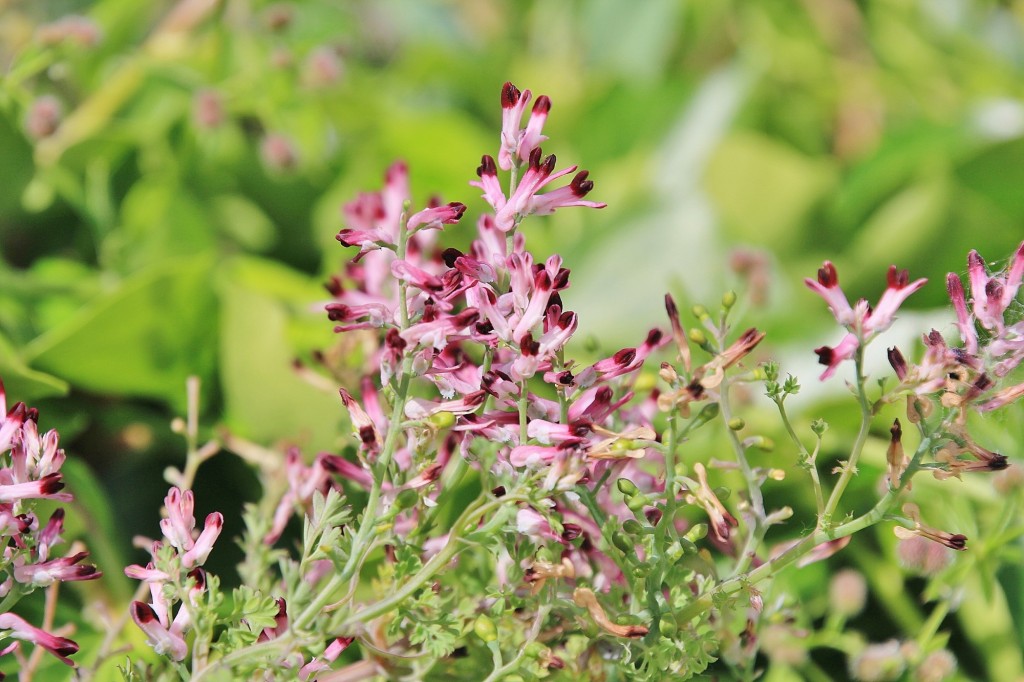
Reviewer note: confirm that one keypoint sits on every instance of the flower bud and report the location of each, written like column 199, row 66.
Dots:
column 936, row 667
column 442, row 420
column 878, row 663
column 729, row 299
column 632, row 527
column 43, row 117
column 623, row 543
column 698, row 337
column 697, row 532
column 709, row 412
column 700, row 312
column 848, row 592
column 636, row 503
column 737, row 423
column 407, row 499
column 627, row 487
column 667, row 625
column 484, row 629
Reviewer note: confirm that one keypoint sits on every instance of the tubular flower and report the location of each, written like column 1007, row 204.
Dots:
column 861, row 320
column 952, row 540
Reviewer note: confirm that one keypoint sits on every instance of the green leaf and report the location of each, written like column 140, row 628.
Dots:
column 265, row 400
column 142, row 339
column 23, row 383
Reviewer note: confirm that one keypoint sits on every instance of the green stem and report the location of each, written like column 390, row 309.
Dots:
column 808, row 459
column 858, row 445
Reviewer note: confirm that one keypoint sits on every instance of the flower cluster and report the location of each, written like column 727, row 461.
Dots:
column 174, row 574
column 30, row 465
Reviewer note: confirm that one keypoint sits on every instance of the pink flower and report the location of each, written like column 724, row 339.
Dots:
column 861, row 321
column 165, row 639
column 58, row 570
column 19, row 628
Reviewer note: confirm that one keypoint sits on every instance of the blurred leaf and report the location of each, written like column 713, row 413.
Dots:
column 143, row 339
column 763, row 189
column 244, row 222
column 15, row 164
column 265, row 400
column 23, row 383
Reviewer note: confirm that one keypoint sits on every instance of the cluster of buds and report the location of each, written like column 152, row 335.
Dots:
column 30, row 465
column 174, row 574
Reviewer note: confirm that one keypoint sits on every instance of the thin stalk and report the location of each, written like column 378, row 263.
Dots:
column 499, row 672
column 809, row 458
column 858, row 444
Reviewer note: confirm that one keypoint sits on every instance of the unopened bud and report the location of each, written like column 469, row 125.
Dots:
column 760, row 442
column 737, row 423
column 709, row 412
column 442, row 420
column 484, row 629
column 632, row 526
column 729, row 299
column 627, row 487
column 878, row 662
column 848, row 592
column 636, row 503
column 407, row 499
column 698, row 337
column 623, row 543
column 698, row 532
column 700, row 312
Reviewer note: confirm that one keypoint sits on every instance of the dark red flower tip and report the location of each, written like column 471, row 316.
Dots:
column 51, row 483
column 957, row 542
column 487, row 166
column 32, row 415
column 580, row 186
column 993, row 290
column 975, row 260
column 561, row 280
column 625, row 356
column 527, row 346
column 499, row 491
column 510, row 95
column 393, row 340
column 998, row 462
column 896, row 431
column 554, row 301
column 571, row 531
column 898, row 362
column 827, row 275
column 143, row 612
column 542, row 105
column 654, row 337
column 450, row 255
column 564, row 378
column 337, row 312
column 334, row 286
column 343, row 238
column 199, row 575
column 825, row 355
column 459, row 208
column 897, row 279
column 580, row 428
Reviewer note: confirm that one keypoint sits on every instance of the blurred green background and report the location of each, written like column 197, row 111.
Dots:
column 172, row 175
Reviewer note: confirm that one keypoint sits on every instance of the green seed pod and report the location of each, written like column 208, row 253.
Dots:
column 627, row 487
column 688, row 546
column 698, row 337
column 636, row 503
column 737, row 423
column 667, row 625
column 729, row 299
column 723, row 493
column 442, row 420
column 632, row 527
column 697, row 532
column 623, row 543
column 407, row 499
column 484, row 629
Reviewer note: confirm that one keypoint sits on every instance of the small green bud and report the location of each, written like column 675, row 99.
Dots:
column 729, row 299
column 632, row 527
column 667, row 625
column 709, row 412
column 627, row 487
column 623, row 543
column 688, row 546
column 700, row 312
column 674, row 552
column 697, row 336
column 723, row 493
column 535, row 649
column 636, row 503
column 441, row 420
column 484, row 629
column 819, row 427
column 698, row 532
column 407, row 499
column 737, row 423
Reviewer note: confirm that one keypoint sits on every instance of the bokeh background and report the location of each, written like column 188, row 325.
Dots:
column 171, row 176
